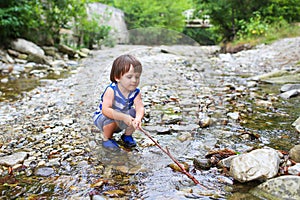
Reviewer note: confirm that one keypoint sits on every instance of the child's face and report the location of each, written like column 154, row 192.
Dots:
column 130, row 80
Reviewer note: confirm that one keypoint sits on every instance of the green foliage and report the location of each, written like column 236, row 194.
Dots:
column 282, row 9
column 156, row 13
column 202, row 36
column 59, row 14
column 149, row 21
column 246, row 17
column 16, row 18
column 41, row 21
column 255, row 27
column 277, row 30
column 92, row 33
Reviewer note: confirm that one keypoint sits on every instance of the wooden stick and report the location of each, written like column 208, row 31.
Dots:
column 166, row 151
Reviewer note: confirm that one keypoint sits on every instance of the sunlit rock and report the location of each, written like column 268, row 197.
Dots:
column 27, row 47
column 13, row 159
column 294, row 170
column 283, row 187
column 258, row 164
column 295, row 153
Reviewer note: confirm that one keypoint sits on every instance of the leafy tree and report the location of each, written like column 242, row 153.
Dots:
column 226, row 14
column 59, row 14
column 155, row 13
column 91, row 33
column 149, row 21
column 282, row 9
column 16, row 18
column 231, row 16
column 41, row 21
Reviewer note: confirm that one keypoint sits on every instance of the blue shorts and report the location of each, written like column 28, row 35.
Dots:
column 101, row 120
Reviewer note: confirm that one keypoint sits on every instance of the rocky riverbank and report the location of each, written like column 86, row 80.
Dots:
column 196, row 101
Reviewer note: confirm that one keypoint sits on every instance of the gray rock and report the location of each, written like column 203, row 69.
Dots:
column 289, row 94
column 37, row 58
column 27, row 47
column 13, row 159
column 294, row 170
column 116, row 20
column 226, row 162
column 297, row 122
column 204, row 120
column 233, row 115
column 288, row 87
column 202, row 164
column 258, row 164
column 67, row 50
column 280, row 188
column 51, row 51
column 295, row 153
column 44, row 171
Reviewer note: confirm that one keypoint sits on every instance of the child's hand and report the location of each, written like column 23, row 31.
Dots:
column 136, row 124
column 128, row 120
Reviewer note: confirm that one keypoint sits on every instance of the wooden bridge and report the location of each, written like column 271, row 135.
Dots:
column 198, row 23
column 192, row 22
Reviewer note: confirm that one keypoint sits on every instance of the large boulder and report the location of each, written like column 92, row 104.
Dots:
column 280, row 188
column 116, row 20
column 27, row 47
column 259, row 164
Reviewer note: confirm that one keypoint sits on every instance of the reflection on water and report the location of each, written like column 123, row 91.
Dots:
column 13, row 88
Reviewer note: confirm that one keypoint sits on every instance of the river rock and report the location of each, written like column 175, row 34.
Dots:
column 204, row 120
column 27, row 47
column 13, row 159
column 37, row 58
column 234, row 115
column 295, row 153
column 258, row 164
column 202, row 164
column 297, row 124
column 289, row 94
column 280, row 188
column 294, row 170
column 67, row 50
column 44, row 171
column 288, row 87
column 51, row 51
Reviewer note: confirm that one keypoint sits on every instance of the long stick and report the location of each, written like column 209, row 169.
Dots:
column 166, row 151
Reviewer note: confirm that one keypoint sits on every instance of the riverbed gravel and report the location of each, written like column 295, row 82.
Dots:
column 180, row 84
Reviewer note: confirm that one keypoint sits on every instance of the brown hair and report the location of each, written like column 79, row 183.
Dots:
column 121, row 65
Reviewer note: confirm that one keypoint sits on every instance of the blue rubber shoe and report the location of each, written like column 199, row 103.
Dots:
column 128, row 140
column 110, row 144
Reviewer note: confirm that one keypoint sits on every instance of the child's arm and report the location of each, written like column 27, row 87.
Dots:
column 109, row 112
column 140, row 111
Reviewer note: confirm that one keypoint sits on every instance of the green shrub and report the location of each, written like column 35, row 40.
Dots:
column 255, row 27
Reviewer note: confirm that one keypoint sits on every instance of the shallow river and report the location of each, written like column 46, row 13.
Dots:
column 179, row 88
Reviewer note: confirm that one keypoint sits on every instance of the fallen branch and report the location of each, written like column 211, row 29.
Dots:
column 166, row 151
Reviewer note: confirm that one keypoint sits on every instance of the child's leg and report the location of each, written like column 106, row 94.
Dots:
column 108, row 130
column 129, row 130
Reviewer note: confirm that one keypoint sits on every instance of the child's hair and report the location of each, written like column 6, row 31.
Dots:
column 121, row 65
